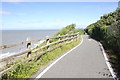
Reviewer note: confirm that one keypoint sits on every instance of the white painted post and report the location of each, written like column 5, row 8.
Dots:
column 59, row 37
column 71, row 33
column 74, row 37
column 47, row 41
column 78, row 35
column 28, row 45
column 66, row 37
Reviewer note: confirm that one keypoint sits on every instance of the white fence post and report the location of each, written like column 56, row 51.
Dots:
column 28, row 45
column 59, row 37
column 47, row 41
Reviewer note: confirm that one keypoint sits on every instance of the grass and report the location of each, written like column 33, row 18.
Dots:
column 28, row 69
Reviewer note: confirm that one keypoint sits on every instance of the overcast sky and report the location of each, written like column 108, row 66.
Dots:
column 52, row 15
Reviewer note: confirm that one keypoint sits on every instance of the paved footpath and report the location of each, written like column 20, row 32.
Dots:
column 86, row 61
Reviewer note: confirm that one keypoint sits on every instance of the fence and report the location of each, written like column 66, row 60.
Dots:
column 59, row 41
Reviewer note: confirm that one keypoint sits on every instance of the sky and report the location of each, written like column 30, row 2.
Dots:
column 51, row 15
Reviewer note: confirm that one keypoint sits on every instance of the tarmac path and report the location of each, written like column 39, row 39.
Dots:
column 85, row 61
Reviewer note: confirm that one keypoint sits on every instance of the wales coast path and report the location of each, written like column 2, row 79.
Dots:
column 85, row 61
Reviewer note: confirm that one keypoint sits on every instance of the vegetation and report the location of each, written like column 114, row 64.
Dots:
column 69, row 29
column 27, row 69
column 107, row 31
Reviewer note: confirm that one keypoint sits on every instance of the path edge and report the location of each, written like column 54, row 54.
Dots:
column 108, row 63
column 47, row 68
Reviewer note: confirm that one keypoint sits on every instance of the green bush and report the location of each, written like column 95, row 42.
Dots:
column 107, row 31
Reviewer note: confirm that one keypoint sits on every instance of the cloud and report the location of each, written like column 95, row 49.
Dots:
column 20, row 14
column 59, row 0
column 58, row 20
column 17, row 1
column 5, row 13
column 12, row 0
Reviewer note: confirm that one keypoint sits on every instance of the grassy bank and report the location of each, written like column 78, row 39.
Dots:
column 26, row 70
column 29, row 68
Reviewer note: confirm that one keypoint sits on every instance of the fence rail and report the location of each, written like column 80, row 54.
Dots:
column 65, row 38
column 31, row 41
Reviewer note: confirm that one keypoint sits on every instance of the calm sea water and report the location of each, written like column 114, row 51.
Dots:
column 15, row 36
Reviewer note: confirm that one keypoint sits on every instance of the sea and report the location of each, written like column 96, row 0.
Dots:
column 16, row 36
